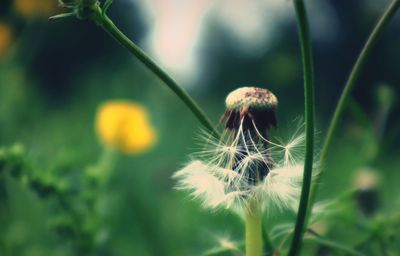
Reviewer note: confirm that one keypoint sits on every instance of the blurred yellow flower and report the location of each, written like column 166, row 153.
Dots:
column 36, row 8
column 124, row 126
column 6, row 38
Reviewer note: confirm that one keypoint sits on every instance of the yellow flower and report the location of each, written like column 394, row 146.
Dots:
column 36, row 8
column 124, row 126
column 6, row 38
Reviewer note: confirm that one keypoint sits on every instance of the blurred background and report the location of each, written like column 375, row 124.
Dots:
column 55, row 74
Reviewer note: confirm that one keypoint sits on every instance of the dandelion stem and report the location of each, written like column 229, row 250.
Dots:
column 306, row 52
column 254, row 236
column 100, row 18
column 351, row 81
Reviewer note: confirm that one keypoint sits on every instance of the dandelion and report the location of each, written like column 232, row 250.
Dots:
column 124, row 126
column 245, row 164
column 245, row 169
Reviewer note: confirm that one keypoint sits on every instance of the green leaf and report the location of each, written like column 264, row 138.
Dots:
column 62, row 15
column 106, row 5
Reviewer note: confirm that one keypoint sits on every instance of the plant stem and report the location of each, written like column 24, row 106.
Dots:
column 351, row 81
column 108, row 25
column 254, row 241
column 307, row 61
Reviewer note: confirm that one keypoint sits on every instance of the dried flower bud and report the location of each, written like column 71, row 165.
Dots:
column 250, row 113
column 82, row 9
column 255, row 106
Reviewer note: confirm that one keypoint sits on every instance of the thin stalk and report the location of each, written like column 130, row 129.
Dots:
column 108, row 25
column 307, row 61
column 348, row 88
column 254, row 236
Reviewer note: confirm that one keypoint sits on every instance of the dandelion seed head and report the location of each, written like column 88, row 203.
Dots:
column 245, row 164
column 202, row 184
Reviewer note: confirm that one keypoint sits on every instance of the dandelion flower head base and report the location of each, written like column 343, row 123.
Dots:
column 252, row 105
column 244, row 165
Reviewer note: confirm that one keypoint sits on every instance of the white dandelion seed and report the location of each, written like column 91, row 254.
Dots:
column 223, row 244
column 245, row 165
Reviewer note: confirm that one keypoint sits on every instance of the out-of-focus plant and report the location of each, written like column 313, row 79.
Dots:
column 367, row 184
column 6, row 37
column 386, row 98
column 122, row 127
column 352, row 79
column 302, row 22
column 35, row 8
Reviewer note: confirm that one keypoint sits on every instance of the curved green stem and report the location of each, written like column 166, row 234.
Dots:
column 100, row 18
column 351, row 81
column 254, row 235
column 307, row 61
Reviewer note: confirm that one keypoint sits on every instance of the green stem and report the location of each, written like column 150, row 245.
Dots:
column 351, row 81
column 306, row 52
column 100, row 173
column 254, row 236
column 108, row 25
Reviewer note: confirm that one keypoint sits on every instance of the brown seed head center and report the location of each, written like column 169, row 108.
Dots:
column 246, row 97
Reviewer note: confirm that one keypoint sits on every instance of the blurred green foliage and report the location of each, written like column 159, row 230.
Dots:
column 53, row 75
